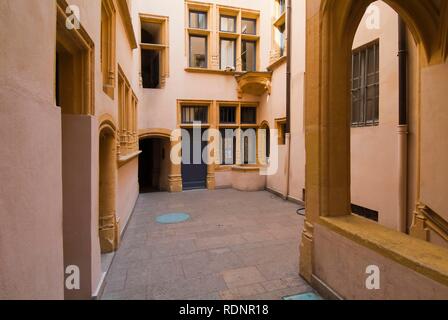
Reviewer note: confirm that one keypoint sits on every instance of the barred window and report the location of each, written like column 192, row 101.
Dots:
column 227, row 115
column 365, row 86
column 248, row 115
column 191, row 114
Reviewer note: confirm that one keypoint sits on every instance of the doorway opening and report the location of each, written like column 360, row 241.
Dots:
column 154, row 165
column 194, row 166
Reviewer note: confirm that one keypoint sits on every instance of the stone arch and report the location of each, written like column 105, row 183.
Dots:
column 174, row 174
column 155, row 133
column 423, row 18
column 108, row 226
column 332, row 25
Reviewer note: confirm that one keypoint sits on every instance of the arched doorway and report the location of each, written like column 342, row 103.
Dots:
column 154, row 164
column 156, row 172
column 107, row 222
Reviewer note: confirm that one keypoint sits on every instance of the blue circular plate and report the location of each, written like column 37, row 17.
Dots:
column 173, row 218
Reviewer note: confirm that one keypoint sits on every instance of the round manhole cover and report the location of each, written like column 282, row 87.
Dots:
column 173, row 218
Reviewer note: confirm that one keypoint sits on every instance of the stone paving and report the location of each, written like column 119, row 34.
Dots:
column 236, row 246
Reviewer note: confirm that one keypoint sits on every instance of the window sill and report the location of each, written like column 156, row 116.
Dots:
column 122, row 160
column 277, row 63
column 210, row 71
column 420, row 256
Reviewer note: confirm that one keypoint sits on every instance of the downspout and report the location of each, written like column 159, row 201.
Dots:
column 403, row 128
column 288, row 92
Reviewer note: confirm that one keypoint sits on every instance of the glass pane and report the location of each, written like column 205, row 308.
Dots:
column 249, row 146
column 228, row 146
column 192, row 114
column 249, row 56
column 198, row 20
column 248, row 115
column 282, row 40
column 228, row 24
column 282, row 6
column 198, row 52
column 227, row 54
column 248, row 26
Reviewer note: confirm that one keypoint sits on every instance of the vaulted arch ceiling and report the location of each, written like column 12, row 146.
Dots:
column 427, row 20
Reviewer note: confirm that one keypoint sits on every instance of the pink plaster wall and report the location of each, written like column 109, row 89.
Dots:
column 434, row 144
column 374, row 151
column 128, row 191
column 31, row 257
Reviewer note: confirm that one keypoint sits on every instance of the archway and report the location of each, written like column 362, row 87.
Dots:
column 108, row 227
column 156, row 171
column 332, row 26
column 154, row 164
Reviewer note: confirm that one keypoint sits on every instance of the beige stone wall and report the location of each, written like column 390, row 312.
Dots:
column 341, row 264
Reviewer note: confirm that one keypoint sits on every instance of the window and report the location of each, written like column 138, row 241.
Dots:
column 249, row 146
column 365, row 86
column 127, row 115
column 228, row 54
column 198, row 51
column 191, row 114
column 278, row 49
column 249, row 56
column 108, row 46
column 228, row 147
column 249, row 26
column 227, row 115
column 198, row 20
column 248, row 115
column 215, row 35
column 281, row 128
column 154, row 51
column 281, row 6
column 228, row 24
column 282, row 29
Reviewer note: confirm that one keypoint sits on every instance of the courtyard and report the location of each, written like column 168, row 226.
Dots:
column 235, row 246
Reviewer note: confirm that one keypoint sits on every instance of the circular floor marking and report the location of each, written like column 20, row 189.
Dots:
column 172, row 218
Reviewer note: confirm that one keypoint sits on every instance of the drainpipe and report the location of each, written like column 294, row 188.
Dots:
column 288, row 92
column 403, row 128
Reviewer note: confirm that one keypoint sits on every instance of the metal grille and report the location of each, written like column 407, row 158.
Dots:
column 227, row 115
column 249, row 115
column 191, row 114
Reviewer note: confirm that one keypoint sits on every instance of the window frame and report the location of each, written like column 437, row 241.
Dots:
column 362, row 119
column 108, row 46
column 196, row 11
column 220, row 52
column 234, row 18
column 255, row 26
column 194, row 107
column 162, row 47
column 234, row 107
column 244, row 55
column 206, row 50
